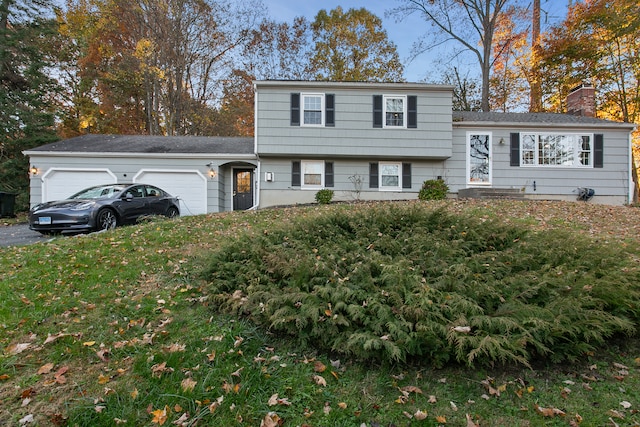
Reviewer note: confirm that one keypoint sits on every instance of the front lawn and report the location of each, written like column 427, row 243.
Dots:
column 426, row 313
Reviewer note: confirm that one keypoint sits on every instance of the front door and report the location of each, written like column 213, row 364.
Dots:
column 242, row 189
column 478, row 158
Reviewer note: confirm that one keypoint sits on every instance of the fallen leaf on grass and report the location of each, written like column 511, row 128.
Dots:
column 188, row 384
column 270, row 420
column 160, row 415
column 275, row 400
column 319, row 367
column 420, row 415
column 320, row 380
column 411, row 389
column 470, row 422
column 26, row 419
column 625, row 404
column 18, row 348
column 45, row 369
column 549, row 412
column 52, row 338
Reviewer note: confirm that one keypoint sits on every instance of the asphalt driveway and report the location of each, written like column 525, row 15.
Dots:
column 19, row 235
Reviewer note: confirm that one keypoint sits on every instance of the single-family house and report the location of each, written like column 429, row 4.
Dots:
column 365, row 141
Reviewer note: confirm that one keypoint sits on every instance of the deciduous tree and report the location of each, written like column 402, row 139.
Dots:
column 471, row 23
column 353, row 46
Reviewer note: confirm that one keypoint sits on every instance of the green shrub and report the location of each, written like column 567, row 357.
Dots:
column 395, row 282
column 433, row 189
column 324, row 196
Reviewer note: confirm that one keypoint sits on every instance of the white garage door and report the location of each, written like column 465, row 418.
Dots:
column 59, row 184
column 189, row 186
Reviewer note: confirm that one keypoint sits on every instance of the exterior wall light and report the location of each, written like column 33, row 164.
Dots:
column 33, row 170
column 213, row 173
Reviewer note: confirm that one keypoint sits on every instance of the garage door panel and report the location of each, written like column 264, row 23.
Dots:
column 59, row 184
column 189, row 186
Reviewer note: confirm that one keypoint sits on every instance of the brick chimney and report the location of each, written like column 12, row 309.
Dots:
column 581, row 101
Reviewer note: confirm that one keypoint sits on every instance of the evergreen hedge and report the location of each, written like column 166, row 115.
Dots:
column 401, row 282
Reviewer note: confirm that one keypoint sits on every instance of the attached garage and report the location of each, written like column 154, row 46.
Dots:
column 198, row 170
column 61, row 183
column 189, row 186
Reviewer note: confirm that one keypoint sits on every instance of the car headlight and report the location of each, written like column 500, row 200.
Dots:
column 83, row 206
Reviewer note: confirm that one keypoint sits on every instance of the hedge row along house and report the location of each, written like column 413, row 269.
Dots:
column 365, row 141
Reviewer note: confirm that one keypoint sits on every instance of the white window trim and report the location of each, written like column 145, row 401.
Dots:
column 404, row 111
column 302, row 109
column 381, row 187
column 304, row 186
column 576, row 150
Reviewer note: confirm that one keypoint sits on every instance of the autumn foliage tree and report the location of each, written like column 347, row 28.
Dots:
column 353, row 46
column 159, row 63
column 598, row 42
column 471, row 23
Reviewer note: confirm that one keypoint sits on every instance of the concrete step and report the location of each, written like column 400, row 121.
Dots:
column 491, row 193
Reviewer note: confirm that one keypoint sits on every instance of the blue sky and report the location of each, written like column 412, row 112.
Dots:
column 403, row 34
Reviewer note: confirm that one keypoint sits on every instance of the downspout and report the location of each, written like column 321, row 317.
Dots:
column 255, row 147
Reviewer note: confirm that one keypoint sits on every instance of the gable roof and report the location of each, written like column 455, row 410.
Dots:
column 533, row 119
column 149, row 144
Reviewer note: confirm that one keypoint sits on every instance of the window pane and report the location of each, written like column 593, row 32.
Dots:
column 395, row 119
column 528, row 149
column 394, row 111
column 312, row 117
column 390, row 181
column 395, row 104
column 312, row 107
column 312, row 173
column 390, row 175
column 312, row 179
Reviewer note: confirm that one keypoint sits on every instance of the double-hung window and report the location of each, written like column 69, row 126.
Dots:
column 395, row 111
column 390, row 176
column 311, row 174
column 313, row 109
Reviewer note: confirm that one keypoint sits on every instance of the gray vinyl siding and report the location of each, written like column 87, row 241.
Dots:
column 611, row 182
column 280, row 192
column 353, row 133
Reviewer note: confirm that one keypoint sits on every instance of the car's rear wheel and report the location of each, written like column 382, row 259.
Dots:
column 106, row 220
column 172, row 212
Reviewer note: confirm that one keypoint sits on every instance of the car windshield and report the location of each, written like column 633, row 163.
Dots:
column 100, row 192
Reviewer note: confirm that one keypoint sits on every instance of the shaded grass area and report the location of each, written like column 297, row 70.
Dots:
column 118, row 328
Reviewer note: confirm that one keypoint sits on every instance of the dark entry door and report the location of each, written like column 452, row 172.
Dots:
column 242, row 189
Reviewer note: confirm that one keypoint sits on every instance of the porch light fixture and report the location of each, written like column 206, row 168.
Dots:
column 213, row 173
column 34, row 170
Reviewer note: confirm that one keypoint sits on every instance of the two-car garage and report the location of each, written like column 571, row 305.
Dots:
column 197, row 170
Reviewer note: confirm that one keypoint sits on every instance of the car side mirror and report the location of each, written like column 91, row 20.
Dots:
column 128, row 197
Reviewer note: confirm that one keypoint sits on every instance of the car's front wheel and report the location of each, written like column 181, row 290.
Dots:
column 106, row 220
column 172, row 212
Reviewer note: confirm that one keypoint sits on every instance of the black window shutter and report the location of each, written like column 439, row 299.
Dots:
column 412, row 111
column 295, row 174
column 598, row 150
column 515, row 149
column 377, row 111
column 373, row 175
column 295, row 109
column 329, row 110
column 406, row 175
column 328, row 174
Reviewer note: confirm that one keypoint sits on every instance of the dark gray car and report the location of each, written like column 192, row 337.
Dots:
column 102, row 207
